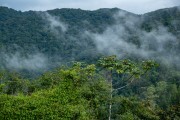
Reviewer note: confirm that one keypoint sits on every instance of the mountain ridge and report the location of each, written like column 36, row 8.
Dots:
column 22, row 32
column 115, row 8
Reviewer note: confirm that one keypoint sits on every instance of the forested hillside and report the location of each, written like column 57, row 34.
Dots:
column 62, row 34
column 40, row 77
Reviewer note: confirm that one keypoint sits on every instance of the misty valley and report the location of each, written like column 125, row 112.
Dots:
column 73, row 64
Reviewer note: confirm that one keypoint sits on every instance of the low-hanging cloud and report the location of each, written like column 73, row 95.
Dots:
column 17, row 61
column 126, row 38
column 54, row 23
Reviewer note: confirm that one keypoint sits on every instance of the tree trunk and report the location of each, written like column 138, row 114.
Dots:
column 110, row 104
column 111, row 90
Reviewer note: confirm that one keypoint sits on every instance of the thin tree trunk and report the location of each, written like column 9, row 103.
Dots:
column 110, row 102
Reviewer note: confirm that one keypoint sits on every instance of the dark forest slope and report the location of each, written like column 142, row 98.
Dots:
column 59, row 35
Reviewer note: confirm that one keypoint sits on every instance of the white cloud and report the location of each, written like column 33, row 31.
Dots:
column 31, row 62
column 126, row 38
column 55, row 23
column 135, row 6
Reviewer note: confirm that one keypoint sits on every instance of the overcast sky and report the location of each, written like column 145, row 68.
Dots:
column 135, row 6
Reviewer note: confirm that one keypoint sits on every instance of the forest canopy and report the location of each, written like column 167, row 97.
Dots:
column 128, row 64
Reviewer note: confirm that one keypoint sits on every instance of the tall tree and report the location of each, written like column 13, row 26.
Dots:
column 132, row 70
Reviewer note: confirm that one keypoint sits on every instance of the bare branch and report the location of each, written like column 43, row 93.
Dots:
column 129, row 82
column 126, row 84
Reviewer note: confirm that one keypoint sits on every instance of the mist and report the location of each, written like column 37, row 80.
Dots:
column 33, row 62
column 126, row 38
column 54, row 23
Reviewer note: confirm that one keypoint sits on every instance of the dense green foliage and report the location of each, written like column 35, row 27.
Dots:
column 82, row 91
column 73, row 93
column 78, row 92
